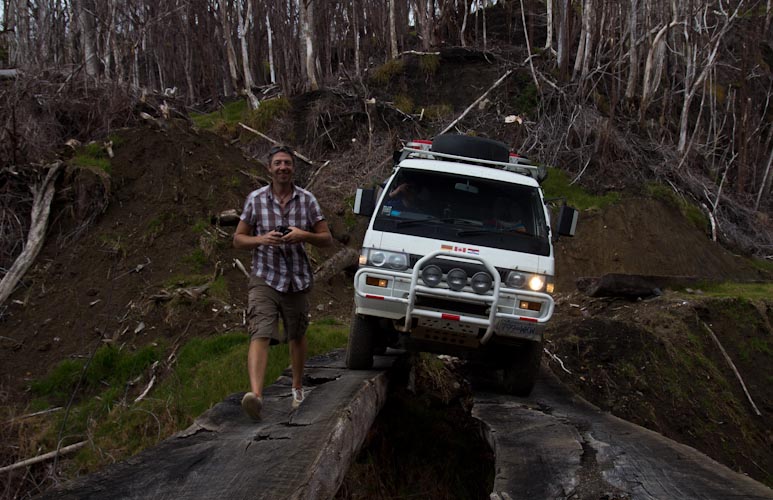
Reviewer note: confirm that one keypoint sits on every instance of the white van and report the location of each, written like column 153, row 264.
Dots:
column 458, row 258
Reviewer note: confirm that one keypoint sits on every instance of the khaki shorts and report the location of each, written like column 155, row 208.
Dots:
column 266, row 306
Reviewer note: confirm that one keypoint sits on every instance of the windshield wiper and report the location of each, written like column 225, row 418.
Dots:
column 478, row 232
column 404, row 223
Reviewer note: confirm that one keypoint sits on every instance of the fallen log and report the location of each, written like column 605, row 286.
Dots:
column 41, row 207
column 631, row 286
column 346, row 257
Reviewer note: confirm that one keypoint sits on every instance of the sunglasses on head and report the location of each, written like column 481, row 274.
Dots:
column 280, row 149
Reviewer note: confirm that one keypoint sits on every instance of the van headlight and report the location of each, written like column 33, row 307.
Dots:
column 534, row 282
column 384, row 259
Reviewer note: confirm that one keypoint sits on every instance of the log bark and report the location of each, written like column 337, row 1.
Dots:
column 41, row 207
column 346, row 257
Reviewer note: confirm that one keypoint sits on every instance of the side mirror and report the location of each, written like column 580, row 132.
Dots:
column 567, row 221
column 365, row 202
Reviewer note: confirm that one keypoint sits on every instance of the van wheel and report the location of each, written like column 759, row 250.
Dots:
column 359, row 350
column 519, row 372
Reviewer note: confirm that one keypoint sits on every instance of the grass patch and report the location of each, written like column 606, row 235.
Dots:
column 109, row 365
column 667, row 195
column 228, row 116
column 747, row 291
column 197, row 259
column 557, row 185
column 387, row 72
column 93, row 156
column 205, row 372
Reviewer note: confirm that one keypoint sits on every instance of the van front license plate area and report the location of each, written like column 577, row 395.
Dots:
column 513, row 328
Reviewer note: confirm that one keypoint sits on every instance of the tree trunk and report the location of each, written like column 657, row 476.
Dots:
column 549, row 25
column 464, row 23
column 270, row 34
column 562, row 57
column 392, row 30
column 245, row 21
column 307, row 25
column 356, row 32
column 89, row 37
column 229, row 44
column 633, row 51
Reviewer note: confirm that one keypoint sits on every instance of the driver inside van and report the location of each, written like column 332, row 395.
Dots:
column 403, row 197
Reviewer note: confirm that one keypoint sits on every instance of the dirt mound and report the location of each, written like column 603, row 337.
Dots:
column 644, row 236
column 156, row 235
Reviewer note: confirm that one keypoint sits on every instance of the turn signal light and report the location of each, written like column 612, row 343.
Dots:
column 373, row 281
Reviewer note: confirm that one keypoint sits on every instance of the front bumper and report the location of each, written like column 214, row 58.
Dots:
column 417, row 306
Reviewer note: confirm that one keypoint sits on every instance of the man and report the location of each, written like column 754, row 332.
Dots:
column 276, row 222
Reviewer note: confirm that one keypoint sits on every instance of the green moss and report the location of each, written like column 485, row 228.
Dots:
column 387, row 72
column 229, row 115
column 404, row 103
column 268, row 111
column 429, row 64
column 557, row 185
column 219, row 289
column 438, row 111
column 667, row 195
column 200, row 226
column 743, row 291
column 527, row 100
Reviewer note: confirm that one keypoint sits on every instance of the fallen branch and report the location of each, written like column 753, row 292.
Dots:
column 241, row 267
column 272, row 141
column 475, row 103
column 556, row 359
column 41, row 207
column 314, row 176
column 36, row 414
column 417, row 53
column 735, row 370
column 42, row 458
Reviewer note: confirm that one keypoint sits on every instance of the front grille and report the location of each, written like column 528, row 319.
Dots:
column 454, row 306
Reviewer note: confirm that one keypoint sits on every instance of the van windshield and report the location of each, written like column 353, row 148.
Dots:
column 470, row 210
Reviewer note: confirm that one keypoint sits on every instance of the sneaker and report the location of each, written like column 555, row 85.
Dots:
column 252, row 404
column 297, row 397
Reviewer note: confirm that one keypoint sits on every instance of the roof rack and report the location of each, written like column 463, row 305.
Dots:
column 519, row 166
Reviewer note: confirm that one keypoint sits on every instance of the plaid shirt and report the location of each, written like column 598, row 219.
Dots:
column 286, row 267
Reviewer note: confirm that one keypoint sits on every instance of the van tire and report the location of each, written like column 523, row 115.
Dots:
column 472, row 147
column 519, row 372
column 359, row 350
